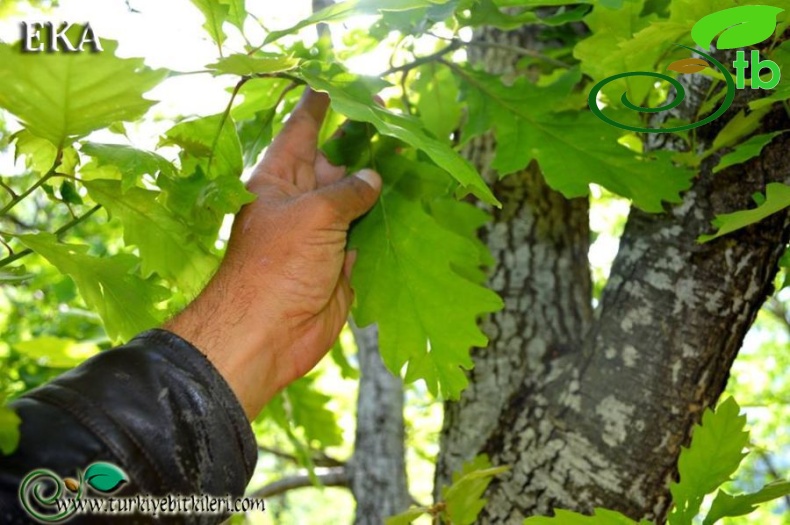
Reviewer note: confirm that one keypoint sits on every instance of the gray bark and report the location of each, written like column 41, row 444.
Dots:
column 592, row 412
column 378, row 469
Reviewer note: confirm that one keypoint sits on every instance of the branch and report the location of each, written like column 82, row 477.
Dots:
column 334, row 477
column 8, row 188
column 48, row 175
column 454, row 45
column 765, row 457
column 513, row 49
column 775, row 307
column 222, row 120
column 319, row 460
column 60, row 231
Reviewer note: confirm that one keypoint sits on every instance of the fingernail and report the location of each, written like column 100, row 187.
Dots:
column 372, row 178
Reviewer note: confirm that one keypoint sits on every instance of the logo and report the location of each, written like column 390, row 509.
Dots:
column 70, row 38
column 742, row 26
column 48, row 498
column 42, row 489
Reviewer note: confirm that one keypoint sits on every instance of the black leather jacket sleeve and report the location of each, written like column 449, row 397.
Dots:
column 156, row 407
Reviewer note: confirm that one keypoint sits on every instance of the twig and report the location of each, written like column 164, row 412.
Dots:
column 513, row 49
column 7, row 247
column 15, row 220
column 222, row 120
column 319, row 460
column 48, row 175
column 8, row 188
column 778, row 310
column 60, row 231
column 766, row 458
column 454, row 45
column 334, row 477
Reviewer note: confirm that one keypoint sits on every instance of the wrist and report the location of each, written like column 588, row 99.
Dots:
column 243, row 353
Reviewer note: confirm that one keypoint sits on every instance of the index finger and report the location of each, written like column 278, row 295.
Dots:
column 297, row 143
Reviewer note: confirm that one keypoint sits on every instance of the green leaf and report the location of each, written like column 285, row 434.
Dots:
column 167, row 245
column 242, row 64
column 486, row 13
column 746, row 150
column 132, row 163
column 726, row 505
column 300, row 405
column 464, row 498
column 105, row 477
column 404, row 518
column 739, row 126
column 56, row 352
column 426, row 311
column 573, row 149
column 343, row 10
column 125, row 302
column 567, row 517
column 352, row 98
column 211, row 143
column 623, row 40
column 743, row 26
column 68, row 192
column 237, row 12
column 777, row 198
column 715, row 452
column 438, row 105
column 62, row 96
column 600, row 54
column 215, row 12
column 39, row 153
column 338, row 355
column 14, row 274
column 9, row 430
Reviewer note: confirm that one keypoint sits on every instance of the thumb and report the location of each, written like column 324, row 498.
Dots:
column 351, row 197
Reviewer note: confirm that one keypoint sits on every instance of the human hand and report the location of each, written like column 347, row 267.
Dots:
column 281, row 295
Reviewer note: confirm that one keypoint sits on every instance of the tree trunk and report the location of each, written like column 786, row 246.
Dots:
column 592, row 412
column 378, row 469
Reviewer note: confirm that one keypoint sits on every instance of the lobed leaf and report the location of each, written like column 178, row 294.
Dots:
column 132, row 163
column 63, row 96
column 216, row 13
column 167, row 246
column 777, row 198
column 726, row 505
column 210, row 143
column 716, row 450
column 124, row 301
column 464, row 498
column 301, row 405
column 573, row 149
column 746, row 150
column 352, row 98
column 425, row 308
column 600, row 517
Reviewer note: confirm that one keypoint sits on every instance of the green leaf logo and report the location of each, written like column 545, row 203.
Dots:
column 105, row 477
column 743, row 26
